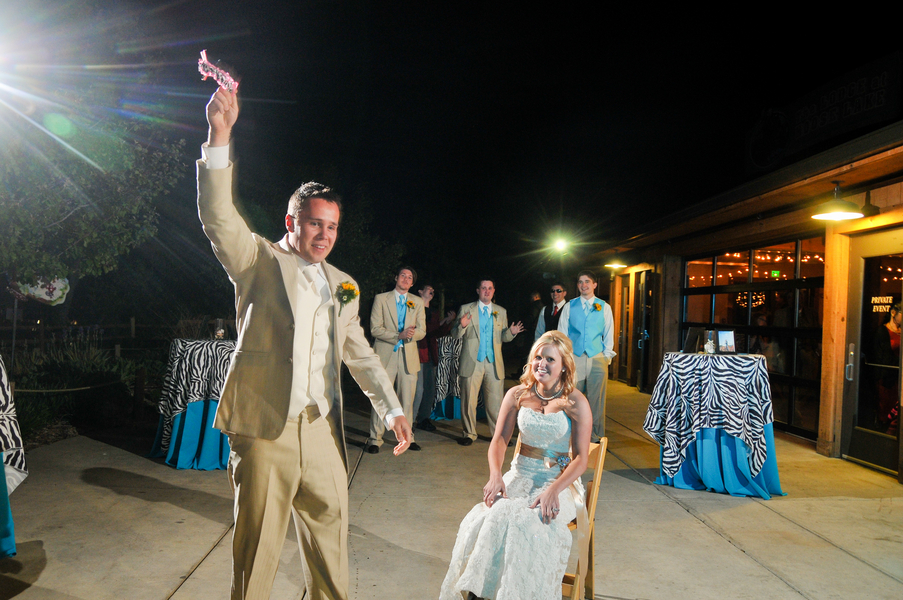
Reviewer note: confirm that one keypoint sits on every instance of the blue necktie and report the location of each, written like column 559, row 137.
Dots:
column 401, row 308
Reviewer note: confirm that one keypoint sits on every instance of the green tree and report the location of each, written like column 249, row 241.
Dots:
column 72, row 209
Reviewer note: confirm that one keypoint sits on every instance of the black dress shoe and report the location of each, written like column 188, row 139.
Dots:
column 414, row 446
column 372, row 449
column 426, row 425
column 465, row 441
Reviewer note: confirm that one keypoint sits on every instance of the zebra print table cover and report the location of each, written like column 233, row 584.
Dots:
column 14, row 468
column 447, row 371
column 196, row 371
column 698, row 391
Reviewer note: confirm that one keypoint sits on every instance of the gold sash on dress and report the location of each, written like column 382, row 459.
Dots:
column 561, row 460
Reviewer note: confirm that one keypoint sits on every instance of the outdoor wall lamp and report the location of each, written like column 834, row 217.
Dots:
column 837, row 209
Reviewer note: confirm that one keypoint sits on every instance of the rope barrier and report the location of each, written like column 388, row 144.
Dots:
column 60, row 391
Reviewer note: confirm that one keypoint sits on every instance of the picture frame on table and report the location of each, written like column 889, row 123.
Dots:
column 725, row 343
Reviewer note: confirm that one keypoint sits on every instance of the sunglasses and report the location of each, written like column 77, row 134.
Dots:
column 557, row 291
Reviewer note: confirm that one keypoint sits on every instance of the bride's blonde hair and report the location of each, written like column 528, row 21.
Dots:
column 568, row 375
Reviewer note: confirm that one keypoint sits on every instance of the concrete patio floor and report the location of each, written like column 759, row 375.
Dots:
column 94, row 521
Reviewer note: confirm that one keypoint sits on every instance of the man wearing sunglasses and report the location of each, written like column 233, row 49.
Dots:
column 550, row 314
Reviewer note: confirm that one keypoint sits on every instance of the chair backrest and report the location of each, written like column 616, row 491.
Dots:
column 596, row 461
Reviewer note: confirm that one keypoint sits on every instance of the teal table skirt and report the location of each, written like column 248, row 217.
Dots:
column 195, row 444
column 450, row 408
column 7, row 535
column 718, row 462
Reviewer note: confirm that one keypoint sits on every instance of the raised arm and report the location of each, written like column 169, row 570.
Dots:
column 464, row 319
column 222, row 112
column 232, row 241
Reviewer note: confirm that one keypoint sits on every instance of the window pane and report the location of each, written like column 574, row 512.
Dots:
column 774, row 345
column 812, row 258
column 741, row 340
column 730, row 309
column 778, row 307
column 775, row 263
column 805, row 409
column 812, row 307
column 732, row 267
column 699, row 272
column 699, row 309
column 808, row 358
column 780, row 399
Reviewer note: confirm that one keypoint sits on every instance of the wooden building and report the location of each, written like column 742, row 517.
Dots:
column 808, row 294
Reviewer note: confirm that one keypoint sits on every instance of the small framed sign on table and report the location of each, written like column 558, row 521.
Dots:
column 726, row 343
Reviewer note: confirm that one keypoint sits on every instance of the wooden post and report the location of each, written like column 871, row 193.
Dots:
column 834, row 333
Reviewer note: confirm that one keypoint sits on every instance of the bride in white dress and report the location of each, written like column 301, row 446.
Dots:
column 515, row 544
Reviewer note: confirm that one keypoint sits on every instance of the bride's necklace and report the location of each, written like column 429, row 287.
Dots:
column 545, row 400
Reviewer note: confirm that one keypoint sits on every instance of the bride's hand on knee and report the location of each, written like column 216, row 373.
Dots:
column 548, row 506
column 493, row 490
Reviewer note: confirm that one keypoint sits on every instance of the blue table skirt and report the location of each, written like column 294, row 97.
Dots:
column 450, row 408
column 195, row 444
column 718, row 462
column 7, row 536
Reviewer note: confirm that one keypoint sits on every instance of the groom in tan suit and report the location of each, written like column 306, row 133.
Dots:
column 281, row 403
column 397, row 323
column 483, row 326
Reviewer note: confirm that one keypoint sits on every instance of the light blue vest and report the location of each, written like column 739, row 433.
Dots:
column 585, row 329
column 487, row 337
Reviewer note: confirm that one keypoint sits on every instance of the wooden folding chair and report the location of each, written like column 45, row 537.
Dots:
column 595, row 461
column 568, row 584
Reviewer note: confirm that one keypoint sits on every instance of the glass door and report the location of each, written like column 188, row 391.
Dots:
column 624, row 329
column 871, row 433
column 643, row 302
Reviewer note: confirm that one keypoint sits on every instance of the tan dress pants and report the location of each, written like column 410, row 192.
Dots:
column 592, row 380
column 484, row 378
column 300, row 473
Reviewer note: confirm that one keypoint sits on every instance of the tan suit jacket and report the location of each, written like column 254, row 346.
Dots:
column 384, row 328
column 471, row 337
column 257, row 391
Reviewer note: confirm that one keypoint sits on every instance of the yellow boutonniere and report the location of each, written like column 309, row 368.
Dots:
column 597, row 306
column 345, row 293
column 410, row 303
column 495, row 314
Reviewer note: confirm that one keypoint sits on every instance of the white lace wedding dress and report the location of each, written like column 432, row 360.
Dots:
column 506, row 552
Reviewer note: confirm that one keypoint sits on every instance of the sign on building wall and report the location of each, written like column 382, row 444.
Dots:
column 856, row 102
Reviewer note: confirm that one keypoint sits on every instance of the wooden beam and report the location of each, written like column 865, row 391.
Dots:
column 834, row 333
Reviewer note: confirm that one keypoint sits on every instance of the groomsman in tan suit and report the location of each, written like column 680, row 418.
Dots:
column 397, row 323
column 483, row 326
column 281, row 404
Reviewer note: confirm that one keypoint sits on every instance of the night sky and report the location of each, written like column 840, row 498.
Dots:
column 477, row 131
